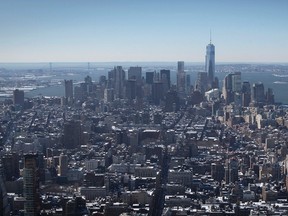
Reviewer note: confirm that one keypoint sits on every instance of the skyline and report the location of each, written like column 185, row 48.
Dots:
column 129, row 31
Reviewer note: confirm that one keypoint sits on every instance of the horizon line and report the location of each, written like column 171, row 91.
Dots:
column 196, row 62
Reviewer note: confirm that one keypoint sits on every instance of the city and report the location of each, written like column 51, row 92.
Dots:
column 135, row 143
column 143, row 108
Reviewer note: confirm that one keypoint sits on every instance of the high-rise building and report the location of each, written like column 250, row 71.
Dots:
column 157, row 92
column 72, row 134
column 68, row 89
column 116, row 81
column 108, row 95
column 131, row 89
column 63, row 165
column 270, row 96
column 232, row 88
column 246, row 94
column 181, row 78
column 4, row 204
column 135, row 73
column 180, row 66
column 258, row 93
column 149, row 77
column 201, row 82
column 172, row 103
column 165, row 78
column 11, row 166
column 31, row 185
column 210, row 63
column 188, row 84
column 18, row 97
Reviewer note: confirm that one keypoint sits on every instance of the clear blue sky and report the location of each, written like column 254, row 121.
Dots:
column 143, row 30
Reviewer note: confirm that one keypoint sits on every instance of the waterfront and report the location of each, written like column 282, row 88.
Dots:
column 273, row 76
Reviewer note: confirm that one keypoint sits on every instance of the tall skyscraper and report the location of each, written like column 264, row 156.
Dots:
column 116, row 81
column 201, row 82
column 165, row 78
column 180, row 67
column 18, row 97
column 188, row 84
column 246, row 94
column 4, row 204
column 270, row 96
column 72, row 134
column 131, row 89
column 232, row 86
column 181, row 78
column 258, row 95
column 10, row 163
column 210, row 63
column 149, row 77
column 63, row 165
column 31, row 185
column 68, row 89
column 136, row 74
column 157, row 92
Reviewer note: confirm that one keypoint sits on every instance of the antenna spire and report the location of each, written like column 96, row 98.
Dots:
column 210, row 37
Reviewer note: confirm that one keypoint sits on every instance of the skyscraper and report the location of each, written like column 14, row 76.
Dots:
column 165, row 78
column 246, row 94
column 210, row 63
column 31, row 185
column 4, row 204
column 68, row 89
column 72, row 134
column 10, row 163
column 258, row 95
column 116, row 81
column 201, row 82
column 63, row 165
column 149, row 77
column 131, row 89
column 181, row 78
column 135, row 73
column 232, row 87
column 18, row 97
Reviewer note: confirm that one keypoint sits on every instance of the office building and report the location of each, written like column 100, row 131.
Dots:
column 180, row 66
column 31, row 185
column 270, row 96
column 188, row 83
column 210, row 63
column 201, row 82
column 135, row 73
column 68, row 90
column 181, row 78
column 149, row 77
column 4, row 204
column 172, row 102
column 72, row 134
column 131, row 89
column 165, row 78
column 18, row 97
column 63, row 165
column 10, row 162
column 246, row 94
column 232, row 88
column 258, row 93
column 117, row 81
column 108, row 95
column 157, row 92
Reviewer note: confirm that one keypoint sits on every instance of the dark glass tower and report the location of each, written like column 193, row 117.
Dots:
column 31, row 185
column 210, row 63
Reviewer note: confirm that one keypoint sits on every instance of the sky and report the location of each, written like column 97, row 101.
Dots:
column 143, row 30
